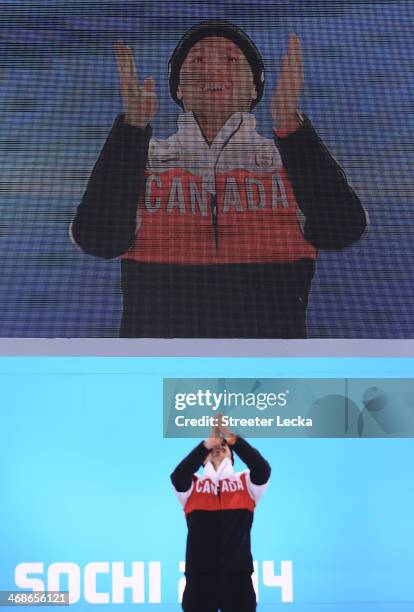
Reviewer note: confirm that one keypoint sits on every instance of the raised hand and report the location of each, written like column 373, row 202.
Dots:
column 224, row 430
column 285, row 98
column 139, row 101
column 214, row 439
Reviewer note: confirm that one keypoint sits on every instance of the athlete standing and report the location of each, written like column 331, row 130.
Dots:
column 219, row 507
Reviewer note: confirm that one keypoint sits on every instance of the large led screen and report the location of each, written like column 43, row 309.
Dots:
column 220, row 169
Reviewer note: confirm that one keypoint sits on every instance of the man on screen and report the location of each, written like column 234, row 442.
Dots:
column 219, row 508
column 217, row 226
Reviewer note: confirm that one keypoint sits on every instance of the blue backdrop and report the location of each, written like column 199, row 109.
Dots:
column 59, row 96
column 84, row 475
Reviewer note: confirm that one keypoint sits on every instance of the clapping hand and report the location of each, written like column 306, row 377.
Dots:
column 214, row 439
column 139, row 101
column 224, row 430
column 218, row 433
column 285, row 98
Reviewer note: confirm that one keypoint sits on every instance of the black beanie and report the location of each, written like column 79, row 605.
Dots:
column 216, row 27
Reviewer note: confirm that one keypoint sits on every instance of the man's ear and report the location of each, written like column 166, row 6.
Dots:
column 180, row 93
column 254, row 93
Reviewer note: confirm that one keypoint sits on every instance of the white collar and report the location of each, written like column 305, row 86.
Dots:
column 189, row 130
column 224, row 471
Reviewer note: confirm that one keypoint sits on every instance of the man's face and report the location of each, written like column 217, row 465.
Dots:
column 216, row 78
column 218, row 453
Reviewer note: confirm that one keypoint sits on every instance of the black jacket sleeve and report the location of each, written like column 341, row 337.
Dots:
column 105, row 222
column 334, row 215
column 183, row 473
column 258, row 466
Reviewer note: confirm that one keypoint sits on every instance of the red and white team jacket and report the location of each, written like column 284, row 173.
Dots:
column 215, row 240
column 219, row 507
column 223, row 489
column 227, row 202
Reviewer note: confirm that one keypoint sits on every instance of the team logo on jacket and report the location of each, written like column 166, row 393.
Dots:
column 264, row 160
column 236, row 193
column 226, row 486
column 256, row 214
column 226, row 494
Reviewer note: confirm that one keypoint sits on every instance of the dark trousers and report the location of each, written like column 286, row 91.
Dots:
column 213, row 592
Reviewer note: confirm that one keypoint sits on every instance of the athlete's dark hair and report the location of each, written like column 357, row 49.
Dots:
column 230, row 449
column 231, row 452
column 216, row 27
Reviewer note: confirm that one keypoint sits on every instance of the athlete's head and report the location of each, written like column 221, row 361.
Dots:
column 218, row 453
column 216, row 68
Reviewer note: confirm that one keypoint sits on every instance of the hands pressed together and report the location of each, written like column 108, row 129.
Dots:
column 218, row 433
